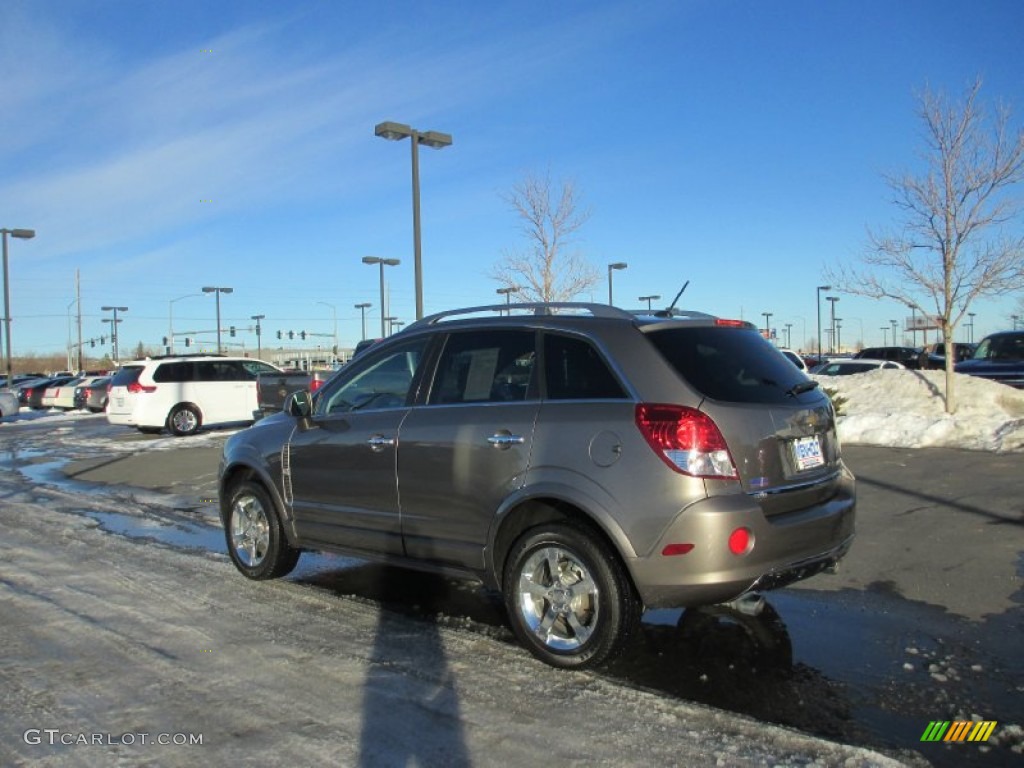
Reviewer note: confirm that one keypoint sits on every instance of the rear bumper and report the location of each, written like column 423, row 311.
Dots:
column 784, row 548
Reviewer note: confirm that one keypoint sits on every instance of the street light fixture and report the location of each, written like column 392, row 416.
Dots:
column 21, row 234
column 217, row 291
column 508, row 290
column 362, row 311
column 113, row 328
column 649, row 299
column 383, row 263
column 435, row 140
column 613, row 266
column 820, row 289
column 832, row 338
column 259, row 345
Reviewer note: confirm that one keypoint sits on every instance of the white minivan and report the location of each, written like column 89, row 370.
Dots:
column 184, row 393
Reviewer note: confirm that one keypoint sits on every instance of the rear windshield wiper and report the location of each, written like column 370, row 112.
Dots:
column 803, row 386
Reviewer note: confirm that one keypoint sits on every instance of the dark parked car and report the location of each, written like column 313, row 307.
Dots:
column 1000, row 357
column 905, row 356
column 933, row 356
column 586, row 461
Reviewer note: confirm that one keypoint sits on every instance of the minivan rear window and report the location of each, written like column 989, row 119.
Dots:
column 729, row 364
column 125, row 375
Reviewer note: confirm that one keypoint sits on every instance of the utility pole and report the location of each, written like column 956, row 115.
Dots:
column 78, row 298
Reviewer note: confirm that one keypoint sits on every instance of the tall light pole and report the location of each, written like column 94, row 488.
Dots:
column 832, row 338
column 383, row 263
column 969, row 314
column 894, row 324
column 767, row 324
column 113, row 328
column 259, row 344
column 435, row 140
column 217, row 291
column 820, row 289
column 508, row 290
column 839, row 335
column 885, row 339
column 789, row 335
column 334, row 310
column 649, row 299
column 362, row 311
column 21, row 234
column 612, row 267
column 170, row 320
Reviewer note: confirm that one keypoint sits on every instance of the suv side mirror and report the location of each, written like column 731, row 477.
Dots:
column 299, row 404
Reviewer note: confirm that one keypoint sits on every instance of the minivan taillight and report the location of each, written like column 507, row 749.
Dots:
column 686, row 439
column 135, row 388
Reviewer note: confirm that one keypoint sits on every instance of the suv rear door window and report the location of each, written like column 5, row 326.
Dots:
column 485, row 366
column 126, row 374
column 177, row 372
column 733, row 365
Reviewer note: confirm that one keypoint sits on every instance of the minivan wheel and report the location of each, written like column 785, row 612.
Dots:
column 183, row 420
column 568, row 597
column 256, row 541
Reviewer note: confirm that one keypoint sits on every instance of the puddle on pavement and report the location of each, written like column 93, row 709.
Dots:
column 181, row 534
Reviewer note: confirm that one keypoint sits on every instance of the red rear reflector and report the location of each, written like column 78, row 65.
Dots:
column 677, row 549
column 136, row 388
column 315, row 385
column 686, row 439
column 741, row 541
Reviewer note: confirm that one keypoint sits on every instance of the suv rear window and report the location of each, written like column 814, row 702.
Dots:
column 734, row 365
column 126, row 374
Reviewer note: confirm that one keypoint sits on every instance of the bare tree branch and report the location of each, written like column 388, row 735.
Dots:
column 951, row 247
column 546, row 270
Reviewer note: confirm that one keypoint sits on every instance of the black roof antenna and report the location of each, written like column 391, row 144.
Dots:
column 672, row 306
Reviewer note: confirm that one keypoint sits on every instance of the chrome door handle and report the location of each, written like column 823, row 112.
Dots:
column 379, row 442
column 505, row 440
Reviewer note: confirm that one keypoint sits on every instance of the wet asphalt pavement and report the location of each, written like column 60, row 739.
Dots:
column 924, row 621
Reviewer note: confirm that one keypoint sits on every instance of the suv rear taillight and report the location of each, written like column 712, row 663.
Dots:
column 136, row 388
column 314, row 385
column 686, row 439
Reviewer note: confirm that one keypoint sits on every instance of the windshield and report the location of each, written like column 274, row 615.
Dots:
column 1008, row 346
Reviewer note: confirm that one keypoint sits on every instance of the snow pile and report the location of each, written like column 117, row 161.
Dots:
column 906, row 409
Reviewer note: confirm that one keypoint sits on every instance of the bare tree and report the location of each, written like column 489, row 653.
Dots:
column 952, row 246
column 546, row 270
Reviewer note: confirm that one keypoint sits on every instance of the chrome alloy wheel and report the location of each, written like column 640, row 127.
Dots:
column 250, row 530
column 558, row 598
column 184, row 421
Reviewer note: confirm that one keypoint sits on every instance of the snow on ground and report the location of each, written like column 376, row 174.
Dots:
column 906, row 409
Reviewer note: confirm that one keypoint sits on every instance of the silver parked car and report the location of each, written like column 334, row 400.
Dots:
column 587, row 461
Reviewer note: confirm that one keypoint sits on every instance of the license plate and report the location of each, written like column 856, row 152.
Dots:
column 807, row 452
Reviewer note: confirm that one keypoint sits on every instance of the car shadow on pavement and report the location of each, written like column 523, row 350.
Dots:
column 946, row 501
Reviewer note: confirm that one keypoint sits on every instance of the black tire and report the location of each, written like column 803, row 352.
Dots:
column 569, row 599
column 184, row 420
column 256, row 541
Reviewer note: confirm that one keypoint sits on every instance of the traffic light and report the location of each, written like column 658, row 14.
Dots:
column 103, row 340
column 291, row 334
column 92, row 342
column 165, row 341
column 303, row 335
column 232, row 330
column 188, row 342
column 279, row 334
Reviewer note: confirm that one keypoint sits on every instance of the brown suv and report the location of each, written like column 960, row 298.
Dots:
column 587, row 461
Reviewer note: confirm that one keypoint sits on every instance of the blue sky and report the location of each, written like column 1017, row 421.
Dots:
column 158, row 147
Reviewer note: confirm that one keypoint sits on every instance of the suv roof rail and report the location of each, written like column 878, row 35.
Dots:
column 538, row 307
column 171, row 357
